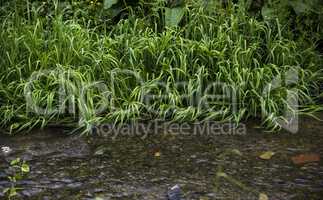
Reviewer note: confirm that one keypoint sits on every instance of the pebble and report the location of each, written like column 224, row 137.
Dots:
column 74, row 185
column 6, row 150
column 31, row 192
column 174, row 193
column 98, row 190
column 3, row 175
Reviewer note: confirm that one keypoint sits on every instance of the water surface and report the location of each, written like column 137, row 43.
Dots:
column 72, row 167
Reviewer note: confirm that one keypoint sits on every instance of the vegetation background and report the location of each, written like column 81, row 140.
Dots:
column 73, row 44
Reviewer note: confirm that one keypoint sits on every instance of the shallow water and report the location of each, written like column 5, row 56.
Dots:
column 72, row 167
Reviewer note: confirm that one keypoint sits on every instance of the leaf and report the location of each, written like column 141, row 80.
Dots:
column 173, row 16
column 25, row 168
column 263, row 196
column 17, row 177
column 221, row 174
column 13, row 192
column 305, row 158
column 5, row 190
column 237, row 152
column 101, row 150
column 267, row 155
column 15, row 162
column 157, row 154
column 109, row 3
column 14, row 126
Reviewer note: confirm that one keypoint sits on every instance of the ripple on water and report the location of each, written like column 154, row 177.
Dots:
column 65, row 167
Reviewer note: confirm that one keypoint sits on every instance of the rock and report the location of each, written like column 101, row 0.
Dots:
column 6, row 150
column 74, row 185
column 54, row 186
column 211, row 195
column 3, row 176
column 66, row 180
column 5, row 183
column 27, row 182
column 174, row 193
column 31, row 192
column 98, row 190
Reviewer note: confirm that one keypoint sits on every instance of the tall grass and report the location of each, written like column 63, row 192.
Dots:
column 83, row 75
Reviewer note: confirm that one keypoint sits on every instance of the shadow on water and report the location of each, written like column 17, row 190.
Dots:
column 70, row 167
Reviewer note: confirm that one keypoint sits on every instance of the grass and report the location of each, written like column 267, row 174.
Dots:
column 58, row 68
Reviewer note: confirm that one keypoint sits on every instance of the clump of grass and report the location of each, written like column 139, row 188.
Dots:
column 62, row 70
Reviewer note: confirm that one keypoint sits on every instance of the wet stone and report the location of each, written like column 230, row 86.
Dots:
column 202, row 161
column 4, row 183
column 121, row 195
column 66, row 180
column 56, row 186
column 74, row 185
column 3, row 175
column 98, row 190
column 156, row 180
column 301, row 181
column 211, row 195
column 44, row 182
column 89, row 195
column 27, row 182
column 31, row 192
column 174, row 193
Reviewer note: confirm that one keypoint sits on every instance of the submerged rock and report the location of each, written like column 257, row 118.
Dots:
column 6, row 150
column 174, row 193
column 3, row 176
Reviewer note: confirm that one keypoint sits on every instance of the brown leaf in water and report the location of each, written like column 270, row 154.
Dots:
column 305, row 158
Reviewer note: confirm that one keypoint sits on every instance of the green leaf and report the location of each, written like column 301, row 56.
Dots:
column 15, row 162
column 236, row 152
column 109, row 3
column 5, row 190
column 13, row 192
column 25, row 168
column 267, row 155
column 173, row 16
